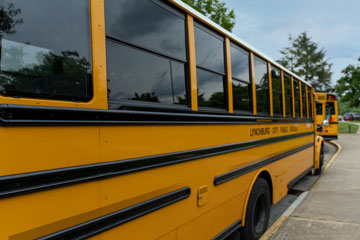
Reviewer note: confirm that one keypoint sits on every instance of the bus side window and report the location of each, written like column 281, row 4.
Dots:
column 288, row 95
column 241, row 84
column 310, row 103
column 297, row 97
column 277, row 91
column 210, row 67
column 331, row 107
column 262, row 85
column 319, row 108
column 37, row 57
column 303, row 92
column 146, row 59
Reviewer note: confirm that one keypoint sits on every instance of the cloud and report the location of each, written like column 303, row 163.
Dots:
column 266, row 25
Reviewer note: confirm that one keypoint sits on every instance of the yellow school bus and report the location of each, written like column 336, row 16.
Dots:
column 327, row 109
column 125, row 119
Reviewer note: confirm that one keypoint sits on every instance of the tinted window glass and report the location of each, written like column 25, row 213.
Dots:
column 277, row 103
column 310, row 103
column 262, row 100
column 287, row 85
column 241, row 95
column 288, row 106
column 45, row 54
column 319, row 109
column 297, row 97
column 303, row 90
column 296, row 89
column 297, row 107
column 261, row 74
column 145, row 23
column 276, row 80
column 277, row 91
column 240, row 63
column 210, row 89
column 303, row 93
column 209, row 50
column 288, row 95
column 330, row 107
column 137, row 75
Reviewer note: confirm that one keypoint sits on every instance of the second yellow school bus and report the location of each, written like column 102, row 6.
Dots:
column 125, row 119
column 327, row 109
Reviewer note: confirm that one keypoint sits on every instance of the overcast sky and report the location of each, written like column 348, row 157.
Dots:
column 334, row 25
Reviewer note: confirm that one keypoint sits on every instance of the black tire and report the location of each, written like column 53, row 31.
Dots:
column 257, row 211
column 318, row 171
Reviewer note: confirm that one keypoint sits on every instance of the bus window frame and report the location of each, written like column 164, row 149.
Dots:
column 98, row 58
column 268, row 113
column 303, row 96
column 277, row 92
column 291, row 95
column 295, row 80
column 154, row 106
column 202, row 109
column 250, row 83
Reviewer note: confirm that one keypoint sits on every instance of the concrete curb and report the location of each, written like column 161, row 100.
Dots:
column 278, row 223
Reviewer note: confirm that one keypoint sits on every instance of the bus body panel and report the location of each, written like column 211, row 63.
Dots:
column 98, row 198
column 150, row 173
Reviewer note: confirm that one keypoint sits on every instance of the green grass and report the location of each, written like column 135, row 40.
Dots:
column 345, row 127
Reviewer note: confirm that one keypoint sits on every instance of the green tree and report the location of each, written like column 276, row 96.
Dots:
column 348, row 86
column 304, row 58
column 215, row 10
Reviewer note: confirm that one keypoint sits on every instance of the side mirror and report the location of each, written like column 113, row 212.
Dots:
column 325, row 123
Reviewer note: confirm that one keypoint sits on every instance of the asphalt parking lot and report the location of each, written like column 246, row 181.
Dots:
column 303, row 185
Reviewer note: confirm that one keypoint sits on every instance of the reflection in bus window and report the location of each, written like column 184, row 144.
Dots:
column 331, row 107
column 147, row 24
column 319, row 109
column 303, row 92
column 277, row 91
column 297, row 97
column 288, row 95
column 262, row 85
column 310, row 103
column 209, row 49
column 210, row 67
column 41, row 62
column 146, row 52
column 211, row 89
column 241, row 85
column 137, row 75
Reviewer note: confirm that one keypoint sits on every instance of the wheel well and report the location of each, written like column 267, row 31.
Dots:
column 265, row 175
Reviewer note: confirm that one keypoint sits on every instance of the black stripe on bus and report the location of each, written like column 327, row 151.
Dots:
column 18, row 184
column 220, row 179
column 333, row 122
column 228, row 231
column 22, row 115
column 101, row 224
column 330, row 137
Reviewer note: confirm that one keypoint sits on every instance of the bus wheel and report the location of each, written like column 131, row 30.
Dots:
column 257, row 211
column 318, row 171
